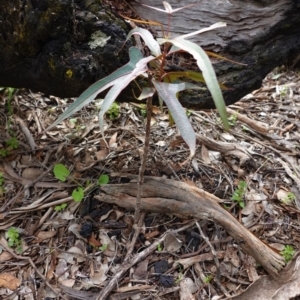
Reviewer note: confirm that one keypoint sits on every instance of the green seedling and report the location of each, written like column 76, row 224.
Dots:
column 14, row 239
column 103, row 179
column 62, row 173
column 180, row 274
column 3, row 152
column 114, row 111
column 78, row 127
column 143, row 110
column 288, row 253
column 208, row 279
column 103, row 247
column 159, row 247
column 9, row 92
column 78, row 194
column 12, row 143
column 239, row 193
column 232, row 120
column 290, row 197
column 60, row 207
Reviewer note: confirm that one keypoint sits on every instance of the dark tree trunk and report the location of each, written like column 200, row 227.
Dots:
column 61, row 47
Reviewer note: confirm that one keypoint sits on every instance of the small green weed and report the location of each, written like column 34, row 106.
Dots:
column 62, row 173
column 77, row 125
column 288, row 252
column 114, row 111
column 103, row 247
column 159, row 247
column 232, row 120
column 9, row 92
column 60, row 207
column 239, row 193
column 3, row 152
column 14, row 239
column 11, row 144
column 290, row 197
column 103, row 179
column 143, row 110
column 208, row 279
column 180, row 274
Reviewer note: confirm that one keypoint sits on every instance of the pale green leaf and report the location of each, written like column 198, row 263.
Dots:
column 90, row 94
column 148, row 38
column 208, row 72
column 167, row 92
column 212, row 27
column 168, row 8
column 146, row 93
column 140, row 68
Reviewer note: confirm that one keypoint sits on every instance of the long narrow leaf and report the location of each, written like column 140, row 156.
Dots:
column 211, row 27
column 168, row 93
column 90, row 94
column 208, row 72
column 168, row 8
column 148, row 39
column 140, row 68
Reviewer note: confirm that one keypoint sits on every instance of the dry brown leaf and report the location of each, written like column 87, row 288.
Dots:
column 44, row 235
column 101, row 154
column 9, row 281
column 205, row 155
column 32, row 173
column 92, row 241
column 113, row 140
column 140, row 271
column 285, row 287
column 5, row 256
column 171, row 243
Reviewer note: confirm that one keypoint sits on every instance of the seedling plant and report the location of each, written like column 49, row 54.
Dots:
column 239, row 193
column 288, row 253
column 62, row 173
column 166, row 84
column 14, row 239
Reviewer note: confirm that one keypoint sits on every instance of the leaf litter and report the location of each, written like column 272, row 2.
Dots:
column 76, row 252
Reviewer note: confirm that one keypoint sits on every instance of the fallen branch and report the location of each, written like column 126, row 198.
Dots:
column 169, row 196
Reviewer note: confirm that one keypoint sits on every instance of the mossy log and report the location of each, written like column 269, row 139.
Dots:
column 60, row 47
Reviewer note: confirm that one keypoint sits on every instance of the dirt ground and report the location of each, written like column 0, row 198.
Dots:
column 55, row 247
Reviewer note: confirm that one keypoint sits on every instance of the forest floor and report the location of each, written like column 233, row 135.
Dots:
column 55, row 247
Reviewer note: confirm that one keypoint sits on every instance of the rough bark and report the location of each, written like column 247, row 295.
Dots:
column 61, row 47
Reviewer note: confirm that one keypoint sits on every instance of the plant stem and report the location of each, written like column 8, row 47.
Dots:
column 144, row 160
